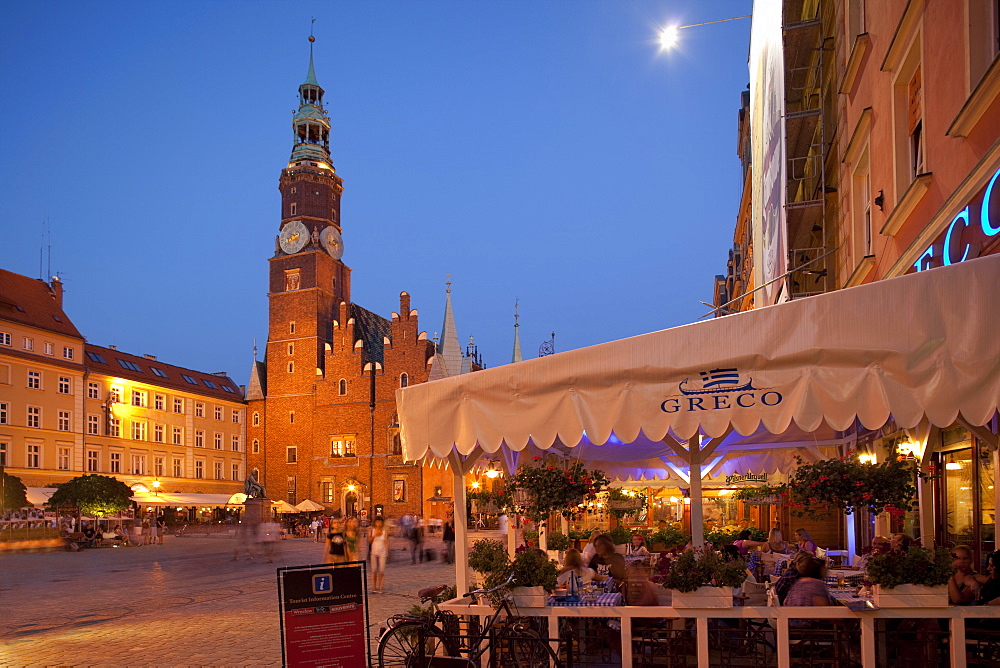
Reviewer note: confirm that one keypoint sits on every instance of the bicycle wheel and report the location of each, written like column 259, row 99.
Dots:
column 524, row 648
column 400, row 646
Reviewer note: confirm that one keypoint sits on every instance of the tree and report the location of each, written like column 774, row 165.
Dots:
column 93, row 494
column 14, row 493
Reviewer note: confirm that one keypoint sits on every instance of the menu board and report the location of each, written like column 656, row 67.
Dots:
column 324, row 615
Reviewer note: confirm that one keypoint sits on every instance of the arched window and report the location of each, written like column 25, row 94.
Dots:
column 342, row 390
column 256, row 446
column 256, row 419
column 397, row 445
column 404, row 379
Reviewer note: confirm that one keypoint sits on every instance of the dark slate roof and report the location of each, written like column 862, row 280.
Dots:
column 116, row 363
column 32, row 302
column 371, row 329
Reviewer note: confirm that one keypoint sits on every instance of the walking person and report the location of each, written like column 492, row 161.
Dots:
column 161, row 528
column 378, row 553
column 417, row 540
column 351, row 535
column 448, row 537
column 268, row 535
column 336, row 543
column 138, row 528
column 149, row 531
column 314, row 526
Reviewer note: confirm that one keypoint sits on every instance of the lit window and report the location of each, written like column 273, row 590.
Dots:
column 349, row 448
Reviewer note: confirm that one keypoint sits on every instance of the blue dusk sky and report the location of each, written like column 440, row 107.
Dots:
column 544, row 151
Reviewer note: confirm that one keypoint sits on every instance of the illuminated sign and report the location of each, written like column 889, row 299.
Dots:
column 965, row 235
column 748, row 477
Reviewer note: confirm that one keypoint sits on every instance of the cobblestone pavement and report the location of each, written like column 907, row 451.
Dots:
column 184, row 603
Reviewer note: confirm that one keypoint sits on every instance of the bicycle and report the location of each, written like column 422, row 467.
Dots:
column 415, row 641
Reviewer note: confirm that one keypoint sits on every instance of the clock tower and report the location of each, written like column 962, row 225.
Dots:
column 308, row 280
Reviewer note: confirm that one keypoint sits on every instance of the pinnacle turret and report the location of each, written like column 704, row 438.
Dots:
column 311, row 125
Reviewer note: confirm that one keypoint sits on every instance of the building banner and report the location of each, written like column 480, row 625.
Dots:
column 324, row 615
column 767, row 143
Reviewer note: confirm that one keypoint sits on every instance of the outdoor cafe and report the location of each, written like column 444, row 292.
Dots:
column 914, row 359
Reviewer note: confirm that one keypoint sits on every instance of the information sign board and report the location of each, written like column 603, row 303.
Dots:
column 324, row 615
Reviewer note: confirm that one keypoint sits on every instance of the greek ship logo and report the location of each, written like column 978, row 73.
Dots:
column 715, row 381
column 719, row 389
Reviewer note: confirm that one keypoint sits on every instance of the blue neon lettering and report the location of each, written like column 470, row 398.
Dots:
column 763, row 399
column 984, row 216
column 924, row 261
column 946, row 252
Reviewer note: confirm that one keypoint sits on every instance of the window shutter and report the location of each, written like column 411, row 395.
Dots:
column 913, row 90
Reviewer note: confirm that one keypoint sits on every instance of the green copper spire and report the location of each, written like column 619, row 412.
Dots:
column 311, row 76
column 311, row 125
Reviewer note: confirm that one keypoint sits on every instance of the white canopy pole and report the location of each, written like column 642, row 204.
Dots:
column 697, row 511
column 459, row 467
column 508, row 460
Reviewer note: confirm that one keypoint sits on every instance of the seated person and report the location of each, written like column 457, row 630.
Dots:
column 89, row 536
column 900, row 542
column 880, row 545
column 638, row 546
column 788, row 578
column 810, row 587
column 962, row 586
column 744, row 544
column 988, row 589
column 573, row 565
column 775, row 543
column 607, row 561
column 640, row 590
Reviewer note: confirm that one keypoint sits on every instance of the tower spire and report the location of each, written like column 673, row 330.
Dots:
column 311, row 125
column 516, row 357
column 449, row 348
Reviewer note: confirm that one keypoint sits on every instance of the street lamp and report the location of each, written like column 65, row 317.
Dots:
column 670, row 35
column 156, row 486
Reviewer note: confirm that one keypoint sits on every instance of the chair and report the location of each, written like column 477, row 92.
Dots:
column 820, row 553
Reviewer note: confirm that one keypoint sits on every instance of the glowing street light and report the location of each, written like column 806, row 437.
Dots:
column 670, row 35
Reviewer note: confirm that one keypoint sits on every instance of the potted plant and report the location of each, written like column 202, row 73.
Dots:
column 621, row 538
column 556, row 544
column 539, row 490
column 667, row 539
column 703, row 579
column 489, row 559
column 916, row 577
column 534, row 578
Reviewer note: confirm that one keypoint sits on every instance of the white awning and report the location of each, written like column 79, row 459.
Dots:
column 187, row 500
column 926, row 345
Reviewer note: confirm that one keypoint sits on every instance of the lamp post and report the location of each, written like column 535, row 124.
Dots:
column 156, row 486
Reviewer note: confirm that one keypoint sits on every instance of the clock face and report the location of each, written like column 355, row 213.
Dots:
column 332, row 242
column 294, row 236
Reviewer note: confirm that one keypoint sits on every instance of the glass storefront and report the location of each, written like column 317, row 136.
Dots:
column 965, row 493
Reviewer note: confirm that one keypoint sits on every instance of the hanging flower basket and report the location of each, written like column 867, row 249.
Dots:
column 540, row 490
column 765, row 495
